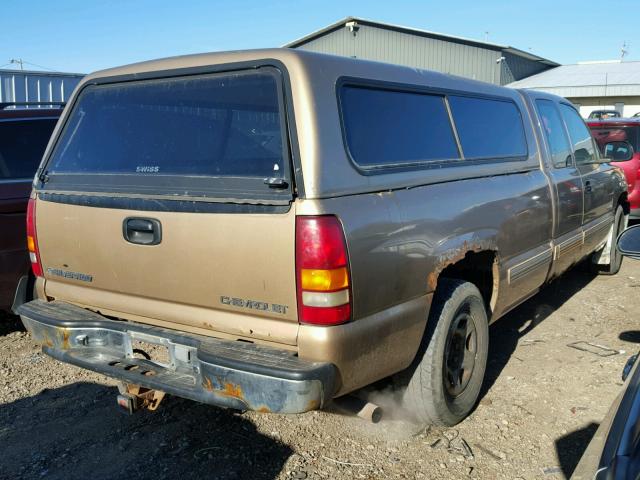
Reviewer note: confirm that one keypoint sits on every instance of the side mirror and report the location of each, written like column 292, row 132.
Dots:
column 618, row 151
column 629, row 242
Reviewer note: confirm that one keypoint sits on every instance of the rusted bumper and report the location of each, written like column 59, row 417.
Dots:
column 239, row 375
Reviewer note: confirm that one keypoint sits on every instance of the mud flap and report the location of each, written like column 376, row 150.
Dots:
column 24, row 292
column 603, row 255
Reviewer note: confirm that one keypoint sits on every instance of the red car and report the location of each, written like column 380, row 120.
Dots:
column 24, row 132
column 622, row 130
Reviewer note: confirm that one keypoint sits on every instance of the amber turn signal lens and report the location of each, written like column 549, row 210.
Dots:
column 324, row 280
column 31, row 244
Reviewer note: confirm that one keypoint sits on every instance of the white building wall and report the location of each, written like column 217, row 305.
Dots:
column 629, row 105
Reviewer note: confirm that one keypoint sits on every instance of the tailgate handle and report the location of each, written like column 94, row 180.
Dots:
column 142, row 231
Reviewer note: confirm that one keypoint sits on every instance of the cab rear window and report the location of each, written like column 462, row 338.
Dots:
column 225, row 126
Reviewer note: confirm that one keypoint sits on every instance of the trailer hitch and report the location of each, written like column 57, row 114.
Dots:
column 134, row 397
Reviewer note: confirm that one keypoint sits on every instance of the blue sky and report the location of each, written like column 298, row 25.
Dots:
column 87, row 35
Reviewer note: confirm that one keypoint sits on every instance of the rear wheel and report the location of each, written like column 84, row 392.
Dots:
column 615, row 259
column 448, row 371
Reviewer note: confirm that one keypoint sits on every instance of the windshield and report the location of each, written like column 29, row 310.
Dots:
column 600, row 114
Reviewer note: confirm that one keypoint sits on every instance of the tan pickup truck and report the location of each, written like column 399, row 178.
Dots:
column 271, row 229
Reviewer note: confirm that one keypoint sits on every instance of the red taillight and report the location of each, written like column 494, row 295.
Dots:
column 322, row 270
column 32, row 239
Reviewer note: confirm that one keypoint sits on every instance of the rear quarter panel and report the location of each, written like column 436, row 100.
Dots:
column 397, row 240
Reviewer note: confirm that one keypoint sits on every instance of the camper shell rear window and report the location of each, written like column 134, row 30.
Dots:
column 220, row 135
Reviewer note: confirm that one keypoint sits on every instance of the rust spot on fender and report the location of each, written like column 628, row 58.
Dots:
column 432, row 280
column 264, row 409
column 451, row 257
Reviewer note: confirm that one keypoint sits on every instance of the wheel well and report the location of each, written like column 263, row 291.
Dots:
column 624, row 202
column 479, row 268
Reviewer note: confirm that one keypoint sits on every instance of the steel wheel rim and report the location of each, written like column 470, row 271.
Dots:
column 460, row 353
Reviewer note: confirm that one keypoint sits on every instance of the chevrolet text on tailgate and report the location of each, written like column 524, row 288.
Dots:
column 268, row 230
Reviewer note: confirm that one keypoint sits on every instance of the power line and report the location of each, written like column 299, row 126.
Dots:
column 40, row 66
column 21, row 63
column 18, row 62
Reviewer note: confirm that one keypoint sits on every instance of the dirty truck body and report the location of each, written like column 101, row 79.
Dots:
column 299, row 255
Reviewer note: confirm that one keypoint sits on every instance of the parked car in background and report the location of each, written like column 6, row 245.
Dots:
column 287, row 227
column 614, row 453
column 635, row 115
column 602, row 114
column 25, row 130
column 622, row 131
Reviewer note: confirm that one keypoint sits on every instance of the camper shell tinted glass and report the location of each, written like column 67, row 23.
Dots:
column 388, row 127
column 488, row 128
column 219, row 135
column 396, row 128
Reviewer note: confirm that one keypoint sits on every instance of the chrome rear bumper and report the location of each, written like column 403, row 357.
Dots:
column 233, row 374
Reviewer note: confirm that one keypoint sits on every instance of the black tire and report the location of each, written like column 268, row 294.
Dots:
column 436, row 392
column 615, row 258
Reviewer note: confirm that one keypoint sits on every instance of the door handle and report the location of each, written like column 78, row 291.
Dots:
column 587, row 187
column 142, row 231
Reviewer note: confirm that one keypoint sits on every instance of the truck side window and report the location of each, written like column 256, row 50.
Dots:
column 583, row 149
column 553, row 129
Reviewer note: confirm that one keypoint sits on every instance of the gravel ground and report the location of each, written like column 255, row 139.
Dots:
column 541, row 404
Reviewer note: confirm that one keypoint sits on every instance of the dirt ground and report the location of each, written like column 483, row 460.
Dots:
column 541, row 404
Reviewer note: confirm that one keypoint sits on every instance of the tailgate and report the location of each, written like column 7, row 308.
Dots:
column 200, row 162
column 230, row 273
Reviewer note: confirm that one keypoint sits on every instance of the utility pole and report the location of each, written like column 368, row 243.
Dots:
column 17, row 61
column 623, row 51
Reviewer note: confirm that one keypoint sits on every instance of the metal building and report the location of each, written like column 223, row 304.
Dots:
column 36, row 86
column 360, row 38
column 593, row 85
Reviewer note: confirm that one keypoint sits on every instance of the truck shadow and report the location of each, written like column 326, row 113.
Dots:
column 506, row 332
column 571, row 447
column 10, row 323
column 76, row 431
